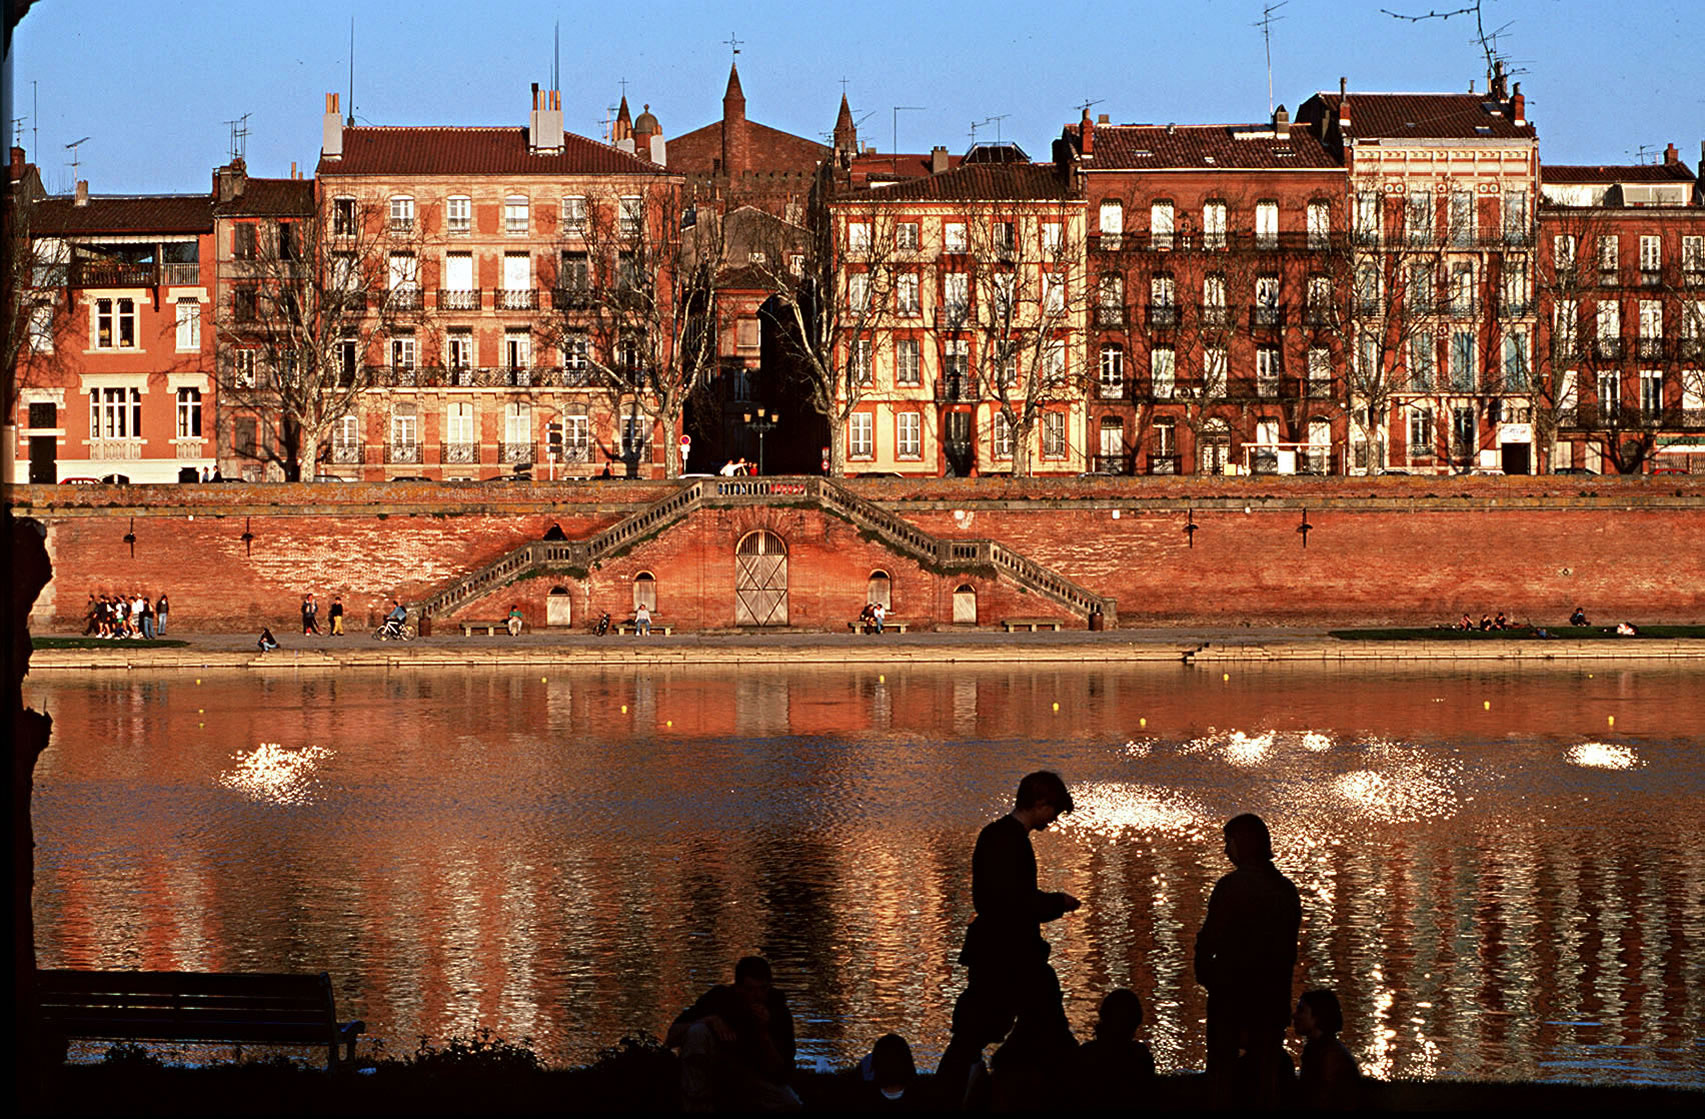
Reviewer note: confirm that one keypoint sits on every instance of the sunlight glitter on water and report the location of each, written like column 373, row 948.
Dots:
column 1112, row 809
column 274, row 774
column 1603, row 755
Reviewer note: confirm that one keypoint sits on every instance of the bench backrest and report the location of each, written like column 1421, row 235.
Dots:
column 188, row 1006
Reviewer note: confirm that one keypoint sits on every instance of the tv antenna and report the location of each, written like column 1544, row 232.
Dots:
column 1088, row 104
column 996, row 121
column 1265, row 23
column 350, row 120
column 72, row 148
column 894, row 136
column 556, row 55
column 1646, row 153
column 239, row 135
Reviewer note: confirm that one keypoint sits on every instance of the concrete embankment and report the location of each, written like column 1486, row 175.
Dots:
column 1197, row 647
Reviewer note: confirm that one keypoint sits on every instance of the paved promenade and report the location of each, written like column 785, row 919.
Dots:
column 1201, row 646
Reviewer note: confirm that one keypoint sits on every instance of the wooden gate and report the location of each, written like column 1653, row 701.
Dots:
column 760, row 580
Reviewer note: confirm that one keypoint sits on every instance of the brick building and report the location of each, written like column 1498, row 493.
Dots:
column 502, row 250
column 1622, row 286
column 115, row 374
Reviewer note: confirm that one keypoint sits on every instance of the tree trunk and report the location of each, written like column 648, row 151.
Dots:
column 837, row 446
column 1021, row 448
column 671, row 446
column 307, row 460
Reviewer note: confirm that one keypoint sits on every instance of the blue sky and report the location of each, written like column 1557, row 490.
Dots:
column 153, row 84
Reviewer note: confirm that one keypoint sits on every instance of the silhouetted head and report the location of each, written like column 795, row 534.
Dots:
column 890, row 1067
column 1318, row 1014
column 1038, row 793
column 1247, row 839
column 1121, row 1014
column 752, row 979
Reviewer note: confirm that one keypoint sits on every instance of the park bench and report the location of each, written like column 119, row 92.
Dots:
column 656, row 627
column 490, row 629
column 1031, row 624
column 898, row 625
column 238, row 1007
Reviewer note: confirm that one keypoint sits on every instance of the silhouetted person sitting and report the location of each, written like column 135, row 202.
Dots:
column 1113, row 1070
column 1032, row 1070
column 736, row 1045
column 1579, row 617
column 888, row 1077
column 1004, row 952
column 1329, row 1079
column 1246, row 952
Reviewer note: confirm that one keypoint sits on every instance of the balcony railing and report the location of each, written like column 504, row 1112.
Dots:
column 1109, row 391
column 1113, row 464
column 1462, row 308
column 571, row 452
column 1267, row 315
column 1162, row 315
column 956, row 386
column 573, row 298
column 452, row 300
column 117, row 274
column 115, row 450
column 458, row 453
column 1163, row 464
column 1217, row 241
column 347, row 453
column 1516, row 308
column 1608, row 347
column 1109, row 315
column 403, row 299
column 190, row 447
column 180, row 272
column 513, row 453
column 513, row 299
column 402, row 453
column 1651, row 277
column 1649, row 347
column 1215, row 316
column 498, row 377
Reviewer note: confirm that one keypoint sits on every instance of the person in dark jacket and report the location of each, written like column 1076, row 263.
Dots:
column 1329, row 1078
column 1004, row 954
column 737, row 1045
column 1115, row 1068
column 1246, row 953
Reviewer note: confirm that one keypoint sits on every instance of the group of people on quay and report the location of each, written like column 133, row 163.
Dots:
column 737, row 1041
column 133, row 615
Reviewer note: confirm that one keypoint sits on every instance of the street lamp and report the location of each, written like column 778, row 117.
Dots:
column 762, row 424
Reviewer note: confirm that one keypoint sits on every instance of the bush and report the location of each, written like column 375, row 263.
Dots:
column 483, row 1054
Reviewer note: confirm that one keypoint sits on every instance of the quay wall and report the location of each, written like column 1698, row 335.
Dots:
column 1379, row 550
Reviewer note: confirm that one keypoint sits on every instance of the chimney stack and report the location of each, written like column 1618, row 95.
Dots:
column 544, row 122
column 82, row 198
column 1086, row 129
column 1343, row 104
column 17, row 171
column 937, row 160
column 1671, row 156
column 331, row 132
column 1282, row 121
column 1518, row 108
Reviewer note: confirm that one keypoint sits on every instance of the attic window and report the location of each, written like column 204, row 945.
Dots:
column 1142, row 152
column 1482, row 130
column 1284, row 151
column 1207, row 159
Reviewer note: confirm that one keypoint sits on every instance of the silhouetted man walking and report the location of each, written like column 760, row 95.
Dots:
column 1246, row 952
column 1004, row 951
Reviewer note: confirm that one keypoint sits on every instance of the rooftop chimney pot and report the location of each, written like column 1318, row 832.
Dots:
column 82, row 198
column 17, row 163
column 1671, row 156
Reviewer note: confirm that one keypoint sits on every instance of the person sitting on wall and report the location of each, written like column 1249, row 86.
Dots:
column 737, row 1045
column 866, row 618
column 1113, row 1070
column 267, row 642
column 516, row 619
column 1466, row 623
column 1485, row 623
column 1329, row 1078
column 879, row 615
column 1579, row 617
column 1501, row 621
column 642, row 620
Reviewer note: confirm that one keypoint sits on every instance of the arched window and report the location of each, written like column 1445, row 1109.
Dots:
column 644, row 591
column 879, row 590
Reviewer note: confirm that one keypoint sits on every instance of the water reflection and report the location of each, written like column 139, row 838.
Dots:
column 1494, row 891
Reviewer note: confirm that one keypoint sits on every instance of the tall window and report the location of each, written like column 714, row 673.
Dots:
column 1651, row 259
column 1267, row 370
column 405, row 425
column 1053, row 238
column 41, row 328
column 1267, row 300
column 1419, row 225
column 1464, row 434
column 1516, row 361
column 517, row 349
column 862, row 435
column 1693, row 261
column 858, row 290
column 955, row 358
column 906, row 293
column 1462, row 371
column 1319, row 371
column 631, row 222
column 909, row 435
column 577, row 437
column 953, row 236
column 515, row 215
column 574, row 216
column 1651, row 327
column 1609, row 257
column 189, row 324
column 243, row 240
column 1319, row 225
column 1651, row 392
column 1112, row 377
column 907, row 237
column 189, row 413
column 518, row 422
column 1369, row 226
column 906, row 364
column 1266, row 225
column 458, row 292
column 1001, row 435
column 1462, row 289
column 1609, row 329
column 955, row 292
column 459, row 423
column 1609, row 392
column 404, row 279
column 403, row 352
column 1053, row 434
column 1005, row 235
column 1213, row 225
column 1214, row 366
column 575, row 278
column 459, row 348
column 115, row 324
column 346, row 218
column 517, row 290
column 1515, row 217
column 1214, row 313
column 1111, row 223
column 858, row 236
column 1160, row 225
column 402, row 213
column 1110, row 300
column 1563, row 256
column 1462, row 212
column 458, row 214
column 1421, row 444
column 1319, row 308
column 115, row 413
column 1515, row 286
column 858, row 361
column 1423, row 361
column 1162, row 372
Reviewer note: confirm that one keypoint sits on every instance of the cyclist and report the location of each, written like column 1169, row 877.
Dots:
column 395, row 619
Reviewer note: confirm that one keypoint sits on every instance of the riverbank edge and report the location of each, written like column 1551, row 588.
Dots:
column 793, row 649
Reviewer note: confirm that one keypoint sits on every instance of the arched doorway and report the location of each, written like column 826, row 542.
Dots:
column 559, row 607
column 760, row 580
column 964, row 605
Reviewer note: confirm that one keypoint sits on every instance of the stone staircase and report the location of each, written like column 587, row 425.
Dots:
column 934, row 552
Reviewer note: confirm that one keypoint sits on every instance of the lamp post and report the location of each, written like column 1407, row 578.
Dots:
column 762, row 423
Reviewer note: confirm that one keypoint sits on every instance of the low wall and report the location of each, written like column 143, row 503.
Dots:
column 1384, row 550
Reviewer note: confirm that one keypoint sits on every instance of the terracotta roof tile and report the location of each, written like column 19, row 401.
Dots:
column 270, row 198
column 150, row 213
column 473, row 151
column 770, row 149
column 979, row 182
column 895, row 166
column 1613, row 173
column 1428, row 116
column 1136, row 147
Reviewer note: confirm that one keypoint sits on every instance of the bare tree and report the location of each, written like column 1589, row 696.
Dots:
column 306, row 299
column 34, row 308
column 635, row 306
column 835, row 296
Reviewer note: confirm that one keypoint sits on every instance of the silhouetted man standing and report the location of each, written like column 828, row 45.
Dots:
column 1246, row 952
column 1004, row 950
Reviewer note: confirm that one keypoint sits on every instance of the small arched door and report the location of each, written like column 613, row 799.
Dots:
column 760, row 580
column 965, row 605
column 559, row 607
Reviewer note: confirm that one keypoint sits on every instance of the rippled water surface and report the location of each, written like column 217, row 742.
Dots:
column 1502, row 873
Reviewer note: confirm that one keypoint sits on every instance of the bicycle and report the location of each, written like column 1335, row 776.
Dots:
column 390, row 631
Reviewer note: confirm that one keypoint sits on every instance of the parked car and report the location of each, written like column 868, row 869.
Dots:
column 79, row 481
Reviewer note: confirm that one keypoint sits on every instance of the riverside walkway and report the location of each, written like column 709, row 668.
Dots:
column 1198, row 646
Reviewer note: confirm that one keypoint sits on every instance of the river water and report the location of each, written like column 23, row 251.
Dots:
column 1502, row 871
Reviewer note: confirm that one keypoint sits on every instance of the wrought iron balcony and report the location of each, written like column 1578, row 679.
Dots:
column 346, row 453
column 956, row 387
column 402, row 453
column 1110, row 391
column 1215, row 316
column 454, row 300
column 575, row 297
column 511, row 454
column 458, row 453
column 403, row 299
column 516, row 299
column 1162, row 315
column 1163, row 464
column 1267, row 315
column 1113, row 464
